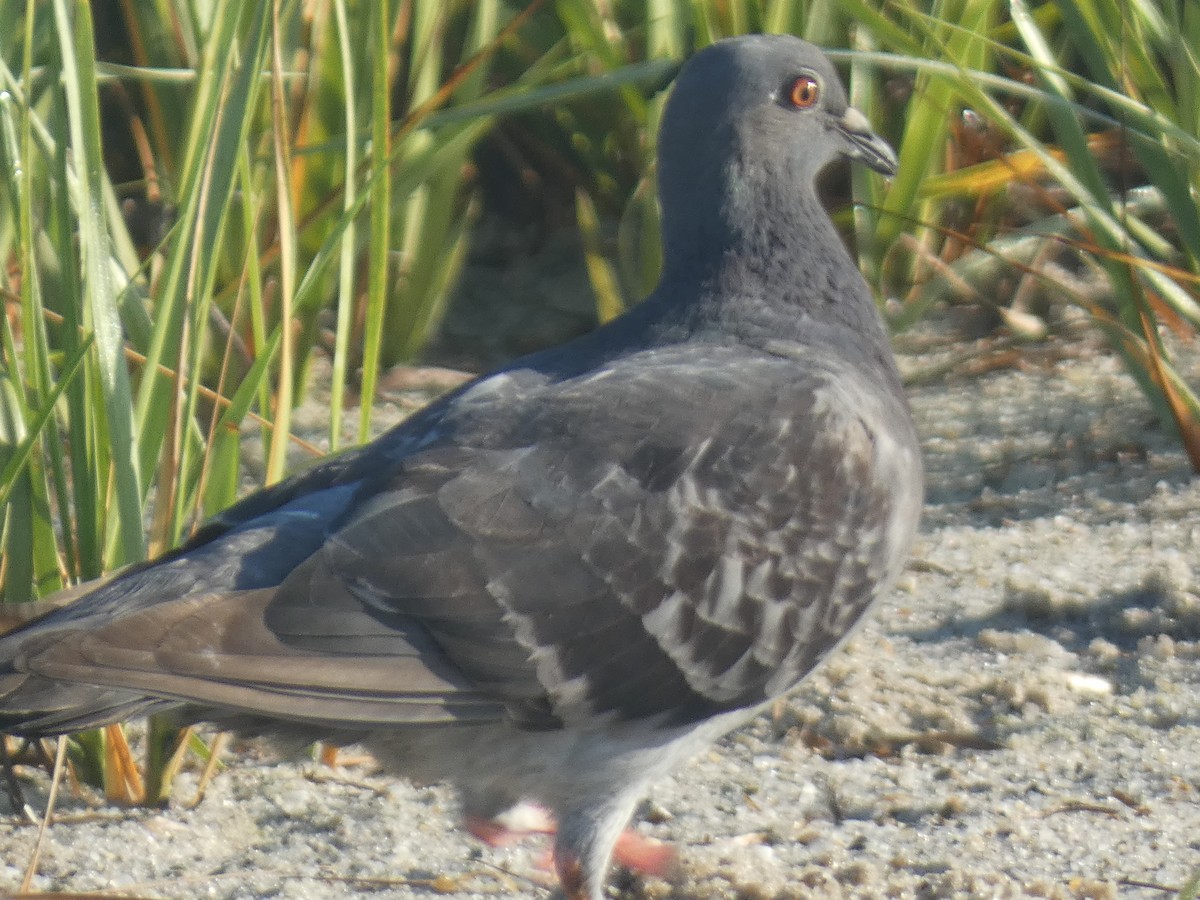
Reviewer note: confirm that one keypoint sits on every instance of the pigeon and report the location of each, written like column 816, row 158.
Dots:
column 556, row 583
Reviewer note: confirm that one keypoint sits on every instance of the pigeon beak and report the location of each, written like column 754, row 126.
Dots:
column 864, row 144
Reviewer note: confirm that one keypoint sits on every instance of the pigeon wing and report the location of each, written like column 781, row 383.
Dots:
column 685, row 531
column 681, row 532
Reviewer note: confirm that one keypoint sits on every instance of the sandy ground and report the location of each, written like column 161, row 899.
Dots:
column 1018, row 719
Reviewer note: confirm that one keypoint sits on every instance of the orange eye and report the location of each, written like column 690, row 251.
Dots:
column 804, row 92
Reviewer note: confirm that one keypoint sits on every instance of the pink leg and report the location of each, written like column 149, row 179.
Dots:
column 490, row 831
column 642, row 854
column 633, row 850
column 511, row 825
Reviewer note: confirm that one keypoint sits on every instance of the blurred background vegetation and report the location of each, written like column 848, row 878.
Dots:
column 201, row 202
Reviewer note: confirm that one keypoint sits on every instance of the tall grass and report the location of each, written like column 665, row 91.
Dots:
column 288, row 168
column 1096, row 117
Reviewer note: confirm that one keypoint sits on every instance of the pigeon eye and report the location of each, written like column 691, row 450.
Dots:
column 803, row 92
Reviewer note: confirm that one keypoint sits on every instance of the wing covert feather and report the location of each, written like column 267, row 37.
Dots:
column 645, row 543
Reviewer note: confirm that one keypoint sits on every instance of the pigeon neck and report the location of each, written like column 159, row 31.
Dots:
column 765, row 263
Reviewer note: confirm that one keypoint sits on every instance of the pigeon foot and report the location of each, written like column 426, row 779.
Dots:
column 633, row 850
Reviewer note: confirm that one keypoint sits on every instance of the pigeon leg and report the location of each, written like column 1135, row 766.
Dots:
column 585, row 843
column 644, row 855
column 633, row 850
column 511, row 825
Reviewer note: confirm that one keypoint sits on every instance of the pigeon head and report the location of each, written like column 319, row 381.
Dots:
column 749, row 125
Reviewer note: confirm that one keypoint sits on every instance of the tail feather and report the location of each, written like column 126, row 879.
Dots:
column 262, row 544
column 215, row 656
column 33, row 706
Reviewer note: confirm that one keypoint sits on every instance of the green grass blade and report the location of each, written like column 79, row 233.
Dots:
column 605, row 284
column 126, row 542
column 286, row 225
column 345, row 289
column 381, row 205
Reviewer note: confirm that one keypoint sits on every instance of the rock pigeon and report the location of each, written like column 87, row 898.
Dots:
column 552, row 585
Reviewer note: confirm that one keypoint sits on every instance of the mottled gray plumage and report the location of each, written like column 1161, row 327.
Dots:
column 557, row 581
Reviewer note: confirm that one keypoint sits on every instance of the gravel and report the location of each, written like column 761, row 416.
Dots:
column 1018, row 719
